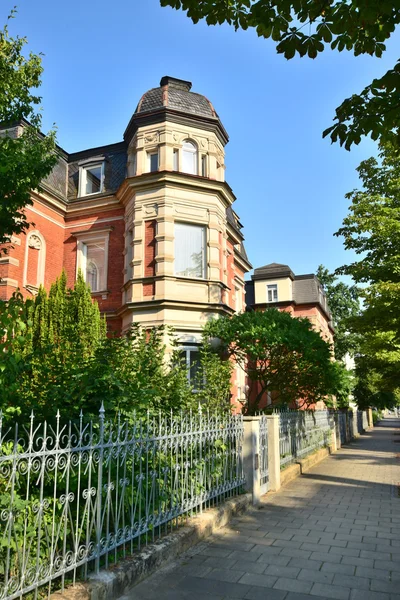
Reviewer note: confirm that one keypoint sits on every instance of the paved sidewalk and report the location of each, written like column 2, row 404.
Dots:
column 333, row 533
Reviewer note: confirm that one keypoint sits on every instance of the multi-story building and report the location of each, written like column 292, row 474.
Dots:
column 148, row 220
column 275, row 285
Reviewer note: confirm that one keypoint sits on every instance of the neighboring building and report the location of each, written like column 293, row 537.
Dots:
column 276, row 285
column 148, row 220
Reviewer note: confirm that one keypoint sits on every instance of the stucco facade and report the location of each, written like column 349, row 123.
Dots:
column 148, row 220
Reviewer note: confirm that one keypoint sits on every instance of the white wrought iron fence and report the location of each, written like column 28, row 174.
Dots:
column 303, row 432
column 80, row 495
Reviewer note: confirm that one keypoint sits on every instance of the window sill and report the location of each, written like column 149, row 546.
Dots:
column 102, row 293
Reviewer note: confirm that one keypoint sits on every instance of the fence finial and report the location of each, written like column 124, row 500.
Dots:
column 102, row 411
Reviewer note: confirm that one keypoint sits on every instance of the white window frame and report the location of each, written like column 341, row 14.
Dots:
column 151, row 153
column 82, row 177
column 88, row 238
column 272, row 287
column 188, row 350
column 205, row 251
column 194, row 152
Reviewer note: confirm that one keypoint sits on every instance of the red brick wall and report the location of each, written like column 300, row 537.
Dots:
column 150, row 230
column 50, row 225
column 115, row 275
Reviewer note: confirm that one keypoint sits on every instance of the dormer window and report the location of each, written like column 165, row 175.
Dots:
column 91, row 179
column 189, row 157
column 272, row 293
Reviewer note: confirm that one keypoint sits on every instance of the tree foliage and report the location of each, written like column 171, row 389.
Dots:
column 25, row 160
column 306, row 28
column 55, row 354
column 344, row 304
column 280, row 354
column 372, row 230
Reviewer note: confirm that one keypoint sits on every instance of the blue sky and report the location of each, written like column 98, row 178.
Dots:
column 101, row 56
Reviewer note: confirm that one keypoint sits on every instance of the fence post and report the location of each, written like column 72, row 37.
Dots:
column 274, row 455
column 370, row 419
column 251, row 456
column 335, row 428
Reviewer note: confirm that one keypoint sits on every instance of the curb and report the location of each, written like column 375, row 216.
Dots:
column 118, row 579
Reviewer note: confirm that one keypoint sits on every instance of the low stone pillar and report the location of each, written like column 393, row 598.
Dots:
column 370, row 419
column 251, row 457
column 274, row 455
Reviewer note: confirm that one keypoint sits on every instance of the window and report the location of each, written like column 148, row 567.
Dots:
column 34, row 262
column 238, row 299
column 191, row 359
column 189, row 157
column 272, row 293
column 204, row 165
column 92, row 179
column 190, row 250
column 153, row 161
column 92, row 258
column 175, row 162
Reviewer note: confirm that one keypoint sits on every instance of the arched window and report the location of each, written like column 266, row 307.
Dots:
column 92, row 275
column 189, row 157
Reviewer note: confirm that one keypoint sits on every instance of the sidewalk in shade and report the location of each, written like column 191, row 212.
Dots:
column 332, row 533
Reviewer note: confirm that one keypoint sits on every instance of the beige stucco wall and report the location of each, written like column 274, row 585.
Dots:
column 164, row 138
column 285, row 291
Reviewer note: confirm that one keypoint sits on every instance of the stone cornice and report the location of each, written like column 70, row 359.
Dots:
column 165, row 114
column 173, row 179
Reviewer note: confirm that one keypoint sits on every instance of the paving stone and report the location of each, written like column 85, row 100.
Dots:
column 358, row 562
column 368, row 595
column 330, row 591
column 326, row 557
column 375, row 555
column 267, row 581
column 282, row 571
column 351, row 581
column 294, row 596
column 259, row 593
column 315, row 576
column 345, row 551
column 251, row 556
column 273, row 559
column 249, row 567
column 315, row 547
column 338, row 568
column 223, row 588
column 373, row 573
column 304, row 563
column 229, row 575
column 390, row 587
column 296, row 552
column 293, row 585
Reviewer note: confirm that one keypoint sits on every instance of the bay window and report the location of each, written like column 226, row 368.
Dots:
column 190, row 250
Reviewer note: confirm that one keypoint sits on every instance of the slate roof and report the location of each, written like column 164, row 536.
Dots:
column 175, row 94
column 273, row 270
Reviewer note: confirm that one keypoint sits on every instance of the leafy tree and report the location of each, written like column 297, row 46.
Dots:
column 280, row 354
column 343, row 303
column 213, row 379
column 306, row 28
column 372, row 230
column 25, row 160
column 42, row 341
